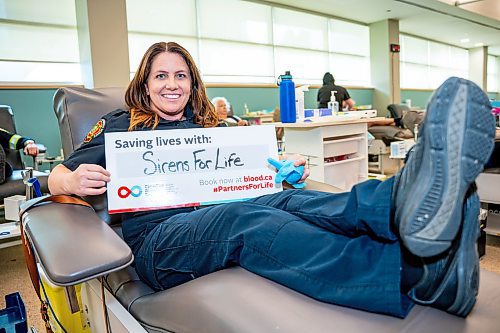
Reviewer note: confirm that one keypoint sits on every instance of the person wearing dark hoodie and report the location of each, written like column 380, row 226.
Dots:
column 341, row 95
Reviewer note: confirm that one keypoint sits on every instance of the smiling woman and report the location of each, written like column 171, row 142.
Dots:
column 173, row 85
column 169, row 86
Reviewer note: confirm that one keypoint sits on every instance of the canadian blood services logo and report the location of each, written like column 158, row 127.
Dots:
column 125, row 192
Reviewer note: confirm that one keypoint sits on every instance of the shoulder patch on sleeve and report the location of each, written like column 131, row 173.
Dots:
column 95, row 131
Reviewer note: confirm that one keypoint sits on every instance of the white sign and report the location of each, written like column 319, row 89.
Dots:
column 189, row 167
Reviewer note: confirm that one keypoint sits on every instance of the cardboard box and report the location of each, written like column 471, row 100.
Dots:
column 12, row 205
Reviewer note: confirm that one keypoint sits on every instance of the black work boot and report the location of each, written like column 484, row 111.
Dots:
column 455, row 142
column 450, row 281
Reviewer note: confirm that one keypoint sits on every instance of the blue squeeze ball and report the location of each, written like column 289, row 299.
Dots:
column 287, row 172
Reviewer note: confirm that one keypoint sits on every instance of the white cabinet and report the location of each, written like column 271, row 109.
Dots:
column 488, row 183
column 337, row 151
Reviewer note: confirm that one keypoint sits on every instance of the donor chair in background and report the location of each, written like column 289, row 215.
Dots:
column 406, row 123
column 14, row 184
column 78, row 245
column 14, row 187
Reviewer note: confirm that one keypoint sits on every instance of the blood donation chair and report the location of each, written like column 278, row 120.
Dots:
column 406, row 121
column 76, row 245
column 14, row 184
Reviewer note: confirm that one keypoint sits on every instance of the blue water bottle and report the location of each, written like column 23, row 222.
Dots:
column 287, row 98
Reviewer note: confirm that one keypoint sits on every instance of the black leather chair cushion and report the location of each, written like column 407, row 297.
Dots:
column 235, row 300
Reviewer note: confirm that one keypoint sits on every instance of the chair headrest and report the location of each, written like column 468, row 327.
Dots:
column 7, row 118
column 78, row 109
column 397, row 110
column 13, row 157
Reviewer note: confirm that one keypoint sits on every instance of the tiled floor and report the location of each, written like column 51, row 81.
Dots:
column 491, row 261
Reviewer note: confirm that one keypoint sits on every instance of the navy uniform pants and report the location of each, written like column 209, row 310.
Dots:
column 337, row 248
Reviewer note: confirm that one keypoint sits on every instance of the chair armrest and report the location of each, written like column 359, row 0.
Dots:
column 319, row 186
column 315, row 185
column 41, row 148
column 72, row 244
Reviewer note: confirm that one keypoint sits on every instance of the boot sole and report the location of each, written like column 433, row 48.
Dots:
column 459, row 137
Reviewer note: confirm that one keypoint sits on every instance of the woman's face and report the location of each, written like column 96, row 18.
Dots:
column 221, row 108
column 169, row 85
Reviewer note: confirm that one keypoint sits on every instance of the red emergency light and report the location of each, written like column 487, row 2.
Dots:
column 395, row 48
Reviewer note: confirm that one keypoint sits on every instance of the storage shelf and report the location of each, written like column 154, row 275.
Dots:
column 334, row 141
column 492, row 231
column 331, row 143
column 358, row 158
column 11, row 229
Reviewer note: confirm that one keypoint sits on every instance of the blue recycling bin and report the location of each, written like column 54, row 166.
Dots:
column 13, row 317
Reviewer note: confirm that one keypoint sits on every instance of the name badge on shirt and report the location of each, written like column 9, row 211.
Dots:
column 189, row 167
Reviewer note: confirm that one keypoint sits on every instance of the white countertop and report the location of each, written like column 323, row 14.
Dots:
column 327, row 121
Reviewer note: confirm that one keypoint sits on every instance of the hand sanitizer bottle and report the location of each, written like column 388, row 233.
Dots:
column 333, row 104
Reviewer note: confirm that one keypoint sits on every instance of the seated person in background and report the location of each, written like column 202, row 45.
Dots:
column 381, row 247
column 221, row 107
column 13, row 141
column 341, row 95
column 232, row 116
column 401, row 126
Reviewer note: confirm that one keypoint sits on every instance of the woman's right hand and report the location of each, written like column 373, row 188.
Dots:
column 87, row 179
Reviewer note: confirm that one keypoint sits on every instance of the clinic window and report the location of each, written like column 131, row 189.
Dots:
column 249, row 42
column 39, row 42
column 426, row 64
column 492, row 73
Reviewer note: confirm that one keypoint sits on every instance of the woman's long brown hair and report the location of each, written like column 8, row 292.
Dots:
column 138, row 101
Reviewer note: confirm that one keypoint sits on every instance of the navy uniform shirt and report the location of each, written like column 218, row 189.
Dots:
column 8, row 141
column 12, row 141
column 135, row 225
